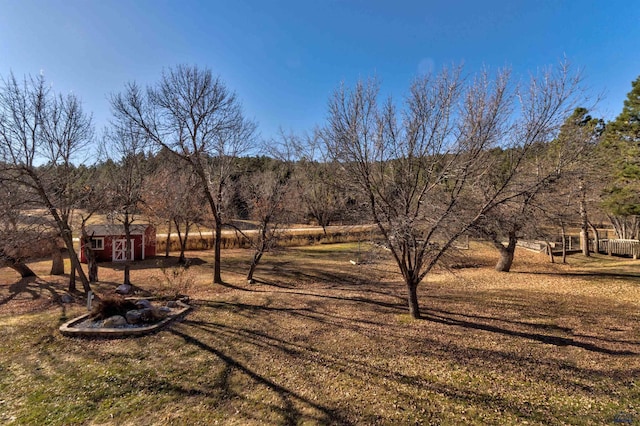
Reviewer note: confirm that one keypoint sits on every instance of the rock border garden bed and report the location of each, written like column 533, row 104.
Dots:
column 71, row 329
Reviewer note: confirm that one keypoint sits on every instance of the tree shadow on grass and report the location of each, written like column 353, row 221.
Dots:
column 233, row 287
column 219, row 389
column 320, row 274
column 542, row 327
column 448, row 319
column 301, row 314
column 391, row 380
column 393, row 307
column 33, row 287
column 274, row 283
column 291, row 415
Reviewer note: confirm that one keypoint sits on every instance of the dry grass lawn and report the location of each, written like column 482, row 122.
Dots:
column 319, row 340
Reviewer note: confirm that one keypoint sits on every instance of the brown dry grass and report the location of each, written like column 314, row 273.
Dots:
column 321, row 341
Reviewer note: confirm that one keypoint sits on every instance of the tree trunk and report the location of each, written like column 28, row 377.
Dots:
column 17, row 265
column 584, row 221
column 183, row 246
column 260, row 248
column 217, row 241
column 584, row 231
column 72, row 274
column 22, row 269
column 253, row 267
column 76, row 267
column 414, row 307
column 183, row 242
column 626, row 227
column 127, row 274
column 89, row 254
column 127, row 250
column 93, row 269
column 92, row 263
column 181, row 257
column 168, row 244
column 217, row 277
column 596, row 238
column 584, row 242
column 57, row 261
column 550, row 252
column 506, row 259
column 65, row 233
column 506, row 253
column 564, row 246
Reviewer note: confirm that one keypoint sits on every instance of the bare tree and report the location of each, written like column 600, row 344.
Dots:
column 621, row 146
column 40, row 136
column 127, row 173
column 580, row 135
column 174, row 196
column 158, row 204
column 554, row 182
column 266, row 195
column 539, row 175
column 423, row 169
column 318, row 181
column 96, row 184
column 15, row 231
column 194, row 116
column 539, row 159
column 89, row 254
column 553, row 214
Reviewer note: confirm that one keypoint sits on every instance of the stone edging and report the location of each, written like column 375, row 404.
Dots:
column 67, row 328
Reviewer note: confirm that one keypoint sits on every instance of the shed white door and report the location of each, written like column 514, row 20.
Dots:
column 120, row 249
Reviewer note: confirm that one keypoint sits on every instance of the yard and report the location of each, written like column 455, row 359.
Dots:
column 319, row 340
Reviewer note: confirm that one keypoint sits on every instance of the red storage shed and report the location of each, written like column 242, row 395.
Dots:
column 109, row 243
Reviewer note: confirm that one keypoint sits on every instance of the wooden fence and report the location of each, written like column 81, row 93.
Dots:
column 532, row 245
column 608, row 246
column 617, row 247
column 571, row 244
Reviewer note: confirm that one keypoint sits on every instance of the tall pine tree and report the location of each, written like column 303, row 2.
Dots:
column 622, row 143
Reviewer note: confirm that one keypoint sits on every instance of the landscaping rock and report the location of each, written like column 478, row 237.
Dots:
column 134, row 317
column 143, row 303
column 146, row 314
column 66, row 298
column 114, row 321
column 161, row 313
column 124, row 289
column 172, row 304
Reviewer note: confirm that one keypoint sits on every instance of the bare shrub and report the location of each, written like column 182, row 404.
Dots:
column 110, row 306
column 177, row 281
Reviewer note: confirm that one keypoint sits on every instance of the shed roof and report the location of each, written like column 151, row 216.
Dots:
column 113, row 229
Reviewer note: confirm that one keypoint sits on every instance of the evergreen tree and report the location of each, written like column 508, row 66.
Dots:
column 622, row 145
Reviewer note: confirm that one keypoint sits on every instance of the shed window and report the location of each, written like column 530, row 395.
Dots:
column 97, row 243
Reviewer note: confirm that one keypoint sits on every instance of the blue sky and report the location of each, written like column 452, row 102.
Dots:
column 284, row 58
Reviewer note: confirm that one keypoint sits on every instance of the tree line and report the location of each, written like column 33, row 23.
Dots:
column 485, row 155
